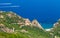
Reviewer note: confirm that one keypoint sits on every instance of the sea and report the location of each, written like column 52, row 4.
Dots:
column 47, row 12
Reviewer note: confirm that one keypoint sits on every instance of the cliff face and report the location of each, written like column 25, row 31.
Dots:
column 14, row 26
column 10, row 18
column 36, row 24
column 57, row 23
column 56, row 29
column 27, row 22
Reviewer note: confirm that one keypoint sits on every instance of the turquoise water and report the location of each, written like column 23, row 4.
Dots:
column 46, row 26
column 47, row 12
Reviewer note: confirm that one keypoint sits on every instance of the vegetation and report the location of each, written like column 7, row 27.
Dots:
column 56, row 29
column 10, row 20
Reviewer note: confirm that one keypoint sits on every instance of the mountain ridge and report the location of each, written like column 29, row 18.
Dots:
column 15, row 26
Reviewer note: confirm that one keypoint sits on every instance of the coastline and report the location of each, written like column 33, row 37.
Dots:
column 48, row 29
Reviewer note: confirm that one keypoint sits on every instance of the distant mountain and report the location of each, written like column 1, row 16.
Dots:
column 15, row 26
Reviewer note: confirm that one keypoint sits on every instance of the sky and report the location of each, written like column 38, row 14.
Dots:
column 45, row 11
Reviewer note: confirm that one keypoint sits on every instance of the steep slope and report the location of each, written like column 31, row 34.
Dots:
column 36, row 24
column 56, row 29
column 14, row 26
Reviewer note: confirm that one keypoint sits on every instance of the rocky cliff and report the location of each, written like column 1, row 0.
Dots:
column 11, row 18
column 15, row 26
column 36, row 24
column 56, row 29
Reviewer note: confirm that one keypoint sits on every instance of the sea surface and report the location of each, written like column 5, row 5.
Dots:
column 47, row 12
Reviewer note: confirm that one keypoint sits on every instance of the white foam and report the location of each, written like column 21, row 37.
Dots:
column 47, row 29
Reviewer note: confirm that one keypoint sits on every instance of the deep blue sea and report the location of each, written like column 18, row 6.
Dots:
column 47, row 12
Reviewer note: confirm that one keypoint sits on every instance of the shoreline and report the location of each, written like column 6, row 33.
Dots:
column 49, row 29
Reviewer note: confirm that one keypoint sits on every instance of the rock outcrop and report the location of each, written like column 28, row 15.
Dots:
column 11, row 14
column 2, row 25
column 24, row 31
column 14, row 26
column 36, row 24
column 27, row 22
column 56, row 29
column 7, row 30
column 10, row 18
column 57, row 23
column 1, row 16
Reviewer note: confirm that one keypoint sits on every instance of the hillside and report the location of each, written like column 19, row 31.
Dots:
column 15, row 26
column 56, row 29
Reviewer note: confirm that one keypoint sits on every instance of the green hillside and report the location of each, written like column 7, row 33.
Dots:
column 14, row 26
column 56, row 29
column 32, row 32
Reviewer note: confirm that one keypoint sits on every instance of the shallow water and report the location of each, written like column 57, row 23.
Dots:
column 46, row 12
column 47, row 26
